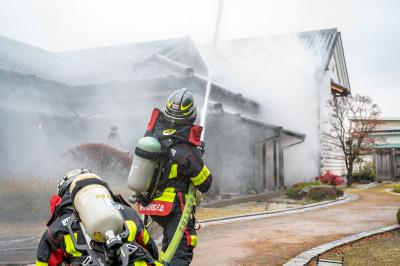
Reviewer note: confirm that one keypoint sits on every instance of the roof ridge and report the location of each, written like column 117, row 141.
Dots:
column 21, row 43
column 284, row 34
column 113, row 46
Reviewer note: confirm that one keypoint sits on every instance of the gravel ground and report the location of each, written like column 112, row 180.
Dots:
column 273, row 241
column 245, row 208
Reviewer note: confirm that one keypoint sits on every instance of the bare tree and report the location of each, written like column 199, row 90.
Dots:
column 353, row 119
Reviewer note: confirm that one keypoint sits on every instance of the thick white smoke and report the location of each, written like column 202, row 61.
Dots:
column 284, row 77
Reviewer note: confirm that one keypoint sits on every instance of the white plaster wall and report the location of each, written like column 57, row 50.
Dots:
column 385, row 125
column 381, row 139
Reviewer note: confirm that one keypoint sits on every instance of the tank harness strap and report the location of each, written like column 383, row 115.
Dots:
column 195, row 135
column 82, row 183
column 118, row 198
column 63, row 207
column 152, row 156
column 140, row 255
column 152, row 192
column 153, row 120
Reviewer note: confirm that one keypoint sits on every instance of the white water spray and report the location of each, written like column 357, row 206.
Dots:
column 209, row 74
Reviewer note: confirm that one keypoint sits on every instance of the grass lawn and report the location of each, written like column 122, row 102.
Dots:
column 382, row 249
column 396, row 188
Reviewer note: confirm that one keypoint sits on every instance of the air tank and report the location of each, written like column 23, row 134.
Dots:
column 96, row 208
column 144, row 164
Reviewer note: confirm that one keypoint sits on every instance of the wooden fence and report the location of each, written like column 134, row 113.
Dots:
column 387, row 163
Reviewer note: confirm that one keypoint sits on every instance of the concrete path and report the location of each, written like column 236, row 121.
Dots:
column 273, row 241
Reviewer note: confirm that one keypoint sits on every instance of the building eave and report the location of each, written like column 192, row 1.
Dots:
column 338, row 89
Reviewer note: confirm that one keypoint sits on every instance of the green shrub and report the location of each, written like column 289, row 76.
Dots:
column 398, row 216
column 296, row 191
column 396, row 189
column 307, row 184
column 367, row 172
column 321, row 193
column 339, row 192
column 357, row 176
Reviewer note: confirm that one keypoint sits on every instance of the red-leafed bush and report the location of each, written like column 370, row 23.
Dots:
column 330, row 178
column 101, row 159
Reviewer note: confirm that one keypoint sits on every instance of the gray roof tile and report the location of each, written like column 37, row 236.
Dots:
column 89, row 66
column 124, row 62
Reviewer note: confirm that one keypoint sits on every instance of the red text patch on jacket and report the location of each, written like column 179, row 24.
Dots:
column 157, row 208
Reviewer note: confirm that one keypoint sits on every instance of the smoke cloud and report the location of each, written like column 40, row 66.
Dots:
column 284, row 78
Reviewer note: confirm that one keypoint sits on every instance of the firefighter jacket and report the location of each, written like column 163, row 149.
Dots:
column 183, row 163
column 56, row 245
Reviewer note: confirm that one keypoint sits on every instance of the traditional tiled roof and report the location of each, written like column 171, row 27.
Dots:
column 133, row 62
column 321, row 43
column 127, row 62
column 97, row 65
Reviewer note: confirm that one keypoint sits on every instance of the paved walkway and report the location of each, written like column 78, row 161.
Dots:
column 273, row 241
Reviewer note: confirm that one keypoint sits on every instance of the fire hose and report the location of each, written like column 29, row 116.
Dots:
column 176, row 239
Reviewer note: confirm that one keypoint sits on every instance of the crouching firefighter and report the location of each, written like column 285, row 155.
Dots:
column 89, row 225
column 167, row 161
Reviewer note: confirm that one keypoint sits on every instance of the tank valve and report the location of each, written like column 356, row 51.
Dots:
column 113, row 241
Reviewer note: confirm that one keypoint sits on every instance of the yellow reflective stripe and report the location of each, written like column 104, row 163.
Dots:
column 193, row 240
column 140, row 263
column 166, row 196
column 69, row 245
column 161, row 255
column 183, row 108
column 40, row 263
column 204, row 173
column 156, row 263
column 132, row 230
column 174, row 171
column 170, row 190
column 146, row 237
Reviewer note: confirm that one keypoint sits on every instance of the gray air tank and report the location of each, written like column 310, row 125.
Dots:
column 95, row 206
column 144, row 164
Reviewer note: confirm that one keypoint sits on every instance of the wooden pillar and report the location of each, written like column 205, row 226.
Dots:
column 393, row 161
column 281, row 165
column 264, row 165
column 275, row 164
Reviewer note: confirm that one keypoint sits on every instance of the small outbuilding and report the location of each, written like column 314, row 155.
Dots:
column 386, row 152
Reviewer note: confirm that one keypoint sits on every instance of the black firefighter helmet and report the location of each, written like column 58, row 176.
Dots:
column 180, row 108
column 66, row 181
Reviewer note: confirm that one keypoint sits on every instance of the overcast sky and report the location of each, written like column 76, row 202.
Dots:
column 370, row 29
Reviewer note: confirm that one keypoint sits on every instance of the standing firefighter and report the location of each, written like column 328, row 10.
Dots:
column 180, row 164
